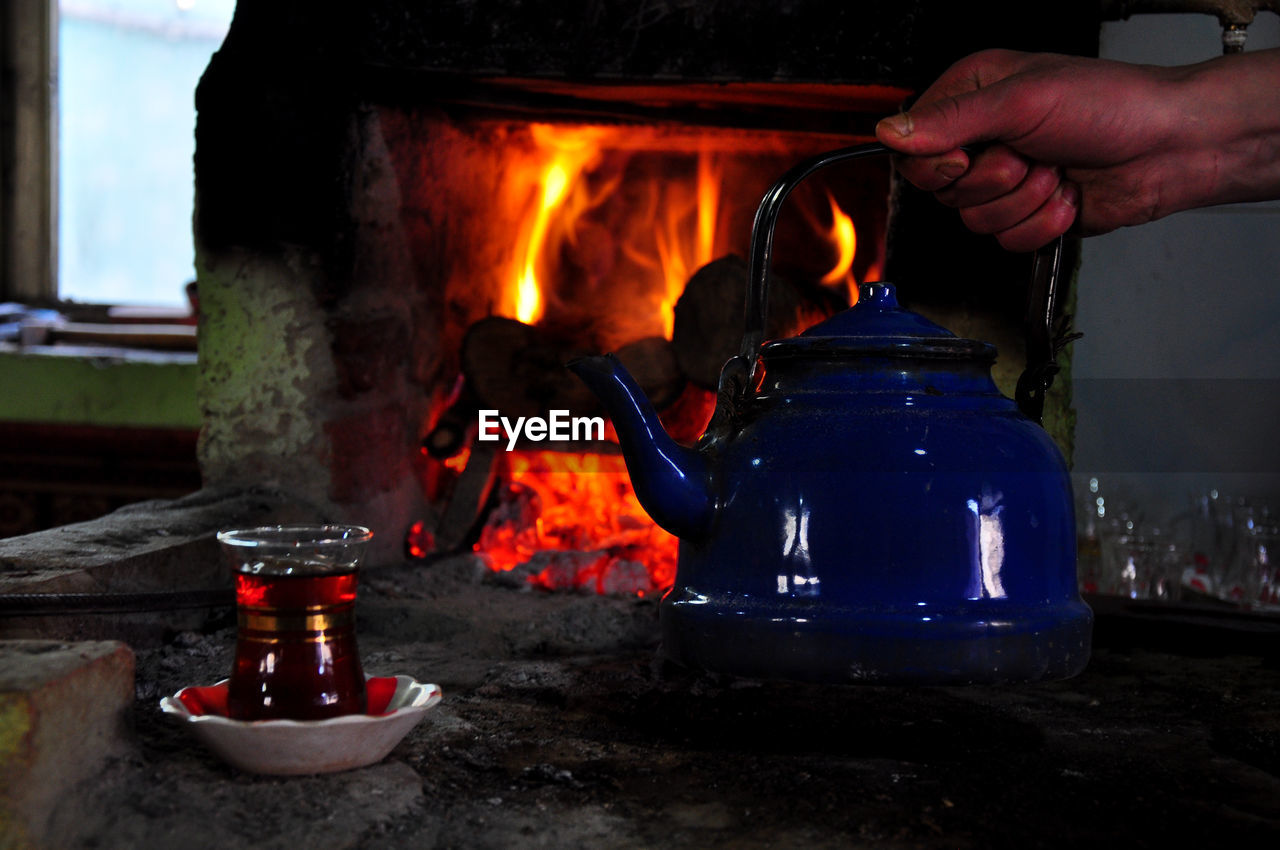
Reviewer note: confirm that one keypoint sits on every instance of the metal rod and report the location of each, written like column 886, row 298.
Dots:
column 58, row 604
column 1234, row 15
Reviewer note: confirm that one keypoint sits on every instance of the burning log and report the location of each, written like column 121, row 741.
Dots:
column 518, row 369
column 448, row 436
column 709, row 315
column 652, row 362
column 470, row 495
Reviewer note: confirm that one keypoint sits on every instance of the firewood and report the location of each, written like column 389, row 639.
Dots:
column 469, row 496
column 709, row 315
column 518, row 370
column 449, row 435
column 652, row 362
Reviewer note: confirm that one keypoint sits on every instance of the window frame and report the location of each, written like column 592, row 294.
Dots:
column 29, row 151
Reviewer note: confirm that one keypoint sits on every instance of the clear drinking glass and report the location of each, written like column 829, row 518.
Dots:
column 296, row 653
column 1265, row 554
column 1257, row 567
column 1143, row 566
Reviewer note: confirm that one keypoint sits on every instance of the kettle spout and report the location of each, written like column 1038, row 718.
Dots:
column 670, row 480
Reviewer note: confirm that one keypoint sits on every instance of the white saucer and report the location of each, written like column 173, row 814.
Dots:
column 291, row 747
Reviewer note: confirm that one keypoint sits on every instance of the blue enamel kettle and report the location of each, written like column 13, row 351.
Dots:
column 865, row 505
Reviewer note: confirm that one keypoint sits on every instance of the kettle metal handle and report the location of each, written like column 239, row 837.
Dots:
column 1042, row 301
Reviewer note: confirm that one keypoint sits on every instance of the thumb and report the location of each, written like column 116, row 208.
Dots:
column 944, row 124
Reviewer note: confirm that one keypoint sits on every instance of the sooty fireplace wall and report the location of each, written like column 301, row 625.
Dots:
column 336, row 217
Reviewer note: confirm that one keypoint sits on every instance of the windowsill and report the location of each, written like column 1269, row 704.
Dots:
column 127, row 333
column 100, row 353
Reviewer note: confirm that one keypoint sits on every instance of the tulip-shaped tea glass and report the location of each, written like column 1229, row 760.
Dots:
column 296, row 654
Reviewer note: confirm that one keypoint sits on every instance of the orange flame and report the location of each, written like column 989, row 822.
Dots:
column 550, row 183
column 710, row 178
column 573, row 520
column 843, row 235
column 680, row 253
column 874, row 273
column 566, row 152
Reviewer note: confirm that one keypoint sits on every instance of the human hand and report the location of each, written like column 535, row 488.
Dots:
column 1092, row 142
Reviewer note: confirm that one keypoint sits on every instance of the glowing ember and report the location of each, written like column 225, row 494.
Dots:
column 575, row 519
column 419, row 542
column 459, row 461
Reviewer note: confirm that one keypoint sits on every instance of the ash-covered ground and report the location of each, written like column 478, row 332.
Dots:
column 560, row 729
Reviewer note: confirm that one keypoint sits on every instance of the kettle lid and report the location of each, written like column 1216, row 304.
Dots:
column 877, row 324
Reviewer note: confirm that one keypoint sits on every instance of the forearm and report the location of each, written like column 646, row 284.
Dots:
column 1124, row 144
column 1231, row 147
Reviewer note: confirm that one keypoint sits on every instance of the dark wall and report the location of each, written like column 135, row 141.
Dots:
column 906, row 42
column 274, row 103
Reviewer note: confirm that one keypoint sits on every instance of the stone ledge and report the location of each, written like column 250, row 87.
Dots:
column 157, row 547
column 139, row 546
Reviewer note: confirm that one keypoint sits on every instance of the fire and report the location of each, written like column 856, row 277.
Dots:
column 565, row 174
column 845, row 238
column 710, row 176
column 874, row 273
column 566, row 152
column 459, row 461
column 572, row 520
column 680, row 256
column 552, row 186
column 576, row 519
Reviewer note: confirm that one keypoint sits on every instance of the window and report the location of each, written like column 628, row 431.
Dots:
column 127, row 73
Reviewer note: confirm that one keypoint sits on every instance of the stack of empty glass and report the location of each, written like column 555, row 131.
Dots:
column 1221, row 550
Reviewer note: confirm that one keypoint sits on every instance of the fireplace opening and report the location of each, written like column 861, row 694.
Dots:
column 380, row 202
column 571, row 238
